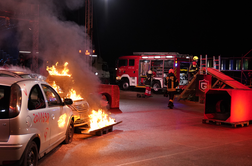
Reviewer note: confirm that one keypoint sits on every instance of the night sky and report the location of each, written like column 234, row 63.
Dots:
column 122, row 27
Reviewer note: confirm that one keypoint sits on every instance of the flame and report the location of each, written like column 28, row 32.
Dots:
column 72, row 94
column 99, row 119
column 53, row 71
column 56, row 87
column 62, row 120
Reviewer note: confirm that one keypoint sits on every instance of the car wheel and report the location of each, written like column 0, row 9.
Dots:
column 31, row 155
column 69, row 133
column 156, row 86
column 125, row 85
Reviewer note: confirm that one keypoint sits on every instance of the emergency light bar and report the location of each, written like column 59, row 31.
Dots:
column 169, row 56
column 157, row 56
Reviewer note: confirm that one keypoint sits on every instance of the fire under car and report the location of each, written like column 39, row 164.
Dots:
column 33, row 120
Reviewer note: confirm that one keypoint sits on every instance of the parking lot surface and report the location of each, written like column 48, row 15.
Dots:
column 151, row 134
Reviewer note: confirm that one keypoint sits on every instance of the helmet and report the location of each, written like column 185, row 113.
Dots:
column 195, row 58
column 171, row 71
column 149, row 72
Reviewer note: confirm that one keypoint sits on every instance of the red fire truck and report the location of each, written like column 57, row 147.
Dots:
column 132, row 69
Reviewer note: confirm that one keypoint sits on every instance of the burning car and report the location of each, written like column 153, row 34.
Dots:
column 87, row 118
column 33, row 120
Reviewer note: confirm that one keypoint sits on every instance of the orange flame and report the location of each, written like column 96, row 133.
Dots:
column 56, row 87
column 72, row 94
column 53, row 71
column 99, row 119
column 62, row 120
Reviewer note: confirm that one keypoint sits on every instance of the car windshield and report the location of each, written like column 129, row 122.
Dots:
column 4, row 101
column 25, row 75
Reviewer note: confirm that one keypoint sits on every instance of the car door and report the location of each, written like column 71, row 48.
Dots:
column 40, row 116
column 58, row 115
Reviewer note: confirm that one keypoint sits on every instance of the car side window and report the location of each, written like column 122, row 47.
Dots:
column 6, row 75
column 52, row 97
column 36, row 99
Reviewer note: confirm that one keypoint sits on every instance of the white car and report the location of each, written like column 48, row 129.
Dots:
column 20, row 73
column 33, row 120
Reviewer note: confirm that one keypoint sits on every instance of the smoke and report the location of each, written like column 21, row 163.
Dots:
column 74, row 4
column 59, row 40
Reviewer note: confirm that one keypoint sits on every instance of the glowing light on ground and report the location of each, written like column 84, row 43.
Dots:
column 99, row 119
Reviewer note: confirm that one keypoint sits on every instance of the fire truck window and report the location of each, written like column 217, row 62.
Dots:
column 132, row 62
column 122, row 62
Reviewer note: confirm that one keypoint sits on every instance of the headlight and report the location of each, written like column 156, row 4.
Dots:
column 118, row 78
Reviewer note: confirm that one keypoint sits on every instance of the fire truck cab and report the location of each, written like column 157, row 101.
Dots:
column 132, row 69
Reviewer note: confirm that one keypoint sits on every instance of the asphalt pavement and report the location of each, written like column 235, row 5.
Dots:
column 151, row 134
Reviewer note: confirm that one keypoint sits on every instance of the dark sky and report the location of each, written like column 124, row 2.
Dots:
column 189, row 27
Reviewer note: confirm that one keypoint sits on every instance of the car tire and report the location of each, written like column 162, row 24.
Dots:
column 69, row 133
column 31, row 155
column 125, row 85
column 156, row 86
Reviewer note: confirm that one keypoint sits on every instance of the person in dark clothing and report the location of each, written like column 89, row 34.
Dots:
column 171, row 82
column 148, row 81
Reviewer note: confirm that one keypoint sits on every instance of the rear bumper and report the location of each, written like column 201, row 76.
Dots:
column 14, row 148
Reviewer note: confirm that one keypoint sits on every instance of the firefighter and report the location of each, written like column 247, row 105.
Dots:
column 193, row 69
column 171, row 82
column 148, row 81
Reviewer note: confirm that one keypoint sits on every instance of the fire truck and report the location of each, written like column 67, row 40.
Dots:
column 132, row 69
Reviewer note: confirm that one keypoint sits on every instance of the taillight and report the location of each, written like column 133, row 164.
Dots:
column 15, row 101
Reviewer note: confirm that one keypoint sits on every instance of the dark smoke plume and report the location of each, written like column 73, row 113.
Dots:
column 59, row 40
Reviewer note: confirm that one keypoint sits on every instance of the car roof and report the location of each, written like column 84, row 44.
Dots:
column 13, row 71
column 20, row 72
column 8, row 81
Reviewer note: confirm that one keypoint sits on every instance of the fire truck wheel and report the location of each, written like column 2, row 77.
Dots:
column 125, row 85
column 156, row 86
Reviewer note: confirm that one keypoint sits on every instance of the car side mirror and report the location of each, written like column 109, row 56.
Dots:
column 68, row 101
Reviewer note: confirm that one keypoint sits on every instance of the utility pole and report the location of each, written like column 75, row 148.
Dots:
column 89, row 28
column 89, row 21
column 35, row 37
